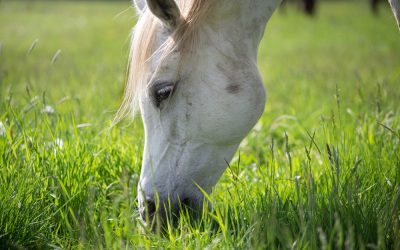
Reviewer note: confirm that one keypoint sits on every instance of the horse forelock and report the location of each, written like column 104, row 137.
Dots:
column 142, row 49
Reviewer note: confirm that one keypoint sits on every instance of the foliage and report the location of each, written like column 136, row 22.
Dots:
column 321, row 169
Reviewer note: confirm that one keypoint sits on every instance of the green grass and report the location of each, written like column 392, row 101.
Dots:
column 321, row 169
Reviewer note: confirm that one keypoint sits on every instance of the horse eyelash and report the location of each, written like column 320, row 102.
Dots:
column 158, row 97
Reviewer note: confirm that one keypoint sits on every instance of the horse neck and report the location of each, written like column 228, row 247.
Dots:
column 243, row 22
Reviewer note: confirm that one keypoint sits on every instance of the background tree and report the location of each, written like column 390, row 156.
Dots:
column 309, row 6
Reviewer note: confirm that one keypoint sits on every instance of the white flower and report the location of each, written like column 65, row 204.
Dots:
column 2, row 129
column 318, row 156
column 297, row 177
column 59, row 143
column 388, row 182
column 349, row 111
column 83, row 125
column 48, row 110
column 54, row 145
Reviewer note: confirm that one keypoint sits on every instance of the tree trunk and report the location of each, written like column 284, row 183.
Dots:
column 309, row 7
column 374, row 6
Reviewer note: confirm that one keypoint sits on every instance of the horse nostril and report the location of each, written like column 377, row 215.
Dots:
column 187, row 202
column 150, row 207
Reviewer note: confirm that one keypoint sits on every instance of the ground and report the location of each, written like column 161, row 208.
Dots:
column 321, row 169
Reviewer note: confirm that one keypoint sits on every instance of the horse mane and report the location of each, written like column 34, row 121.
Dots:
column 142, row 49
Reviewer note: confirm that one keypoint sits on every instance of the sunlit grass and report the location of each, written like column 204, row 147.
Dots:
column 321, row 169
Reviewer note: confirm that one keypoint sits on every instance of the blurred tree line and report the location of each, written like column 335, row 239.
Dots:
column 310, row 6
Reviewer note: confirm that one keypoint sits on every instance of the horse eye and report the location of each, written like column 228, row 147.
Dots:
column 162, row 94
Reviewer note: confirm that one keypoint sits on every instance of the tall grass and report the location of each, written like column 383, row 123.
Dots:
column 321, row 169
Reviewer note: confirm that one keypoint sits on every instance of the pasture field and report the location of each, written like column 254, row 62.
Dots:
column 321, row 169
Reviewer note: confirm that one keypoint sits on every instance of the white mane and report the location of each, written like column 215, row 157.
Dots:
column 142, row 48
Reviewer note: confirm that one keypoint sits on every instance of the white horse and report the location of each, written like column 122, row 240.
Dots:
column 193, row 74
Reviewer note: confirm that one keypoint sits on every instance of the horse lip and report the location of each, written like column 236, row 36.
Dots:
column 169, row 212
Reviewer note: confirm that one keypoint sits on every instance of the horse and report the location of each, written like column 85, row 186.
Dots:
column 194, row 78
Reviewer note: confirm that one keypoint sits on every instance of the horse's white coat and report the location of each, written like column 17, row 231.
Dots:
column 218, row 97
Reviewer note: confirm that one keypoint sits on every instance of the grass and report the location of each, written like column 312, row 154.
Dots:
column 321, row 169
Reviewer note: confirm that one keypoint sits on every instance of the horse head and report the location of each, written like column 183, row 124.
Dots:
column 194, row 78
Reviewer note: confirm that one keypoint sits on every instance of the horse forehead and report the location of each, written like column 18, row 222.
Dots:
column 208, row 57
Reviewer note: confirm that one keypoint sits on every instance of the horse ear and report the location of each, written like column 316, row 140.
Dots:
column 140, row 5
column 166, row 10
